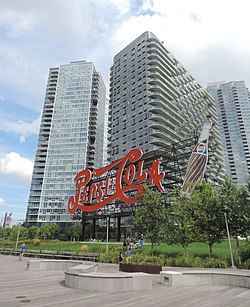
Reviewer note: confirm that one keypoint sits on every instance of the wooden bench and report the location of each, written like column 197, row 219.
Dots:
column 46, row 254
column 53, row 254
column 87, row 256
column 65, row 255
column 6, row 251
column 32, row 253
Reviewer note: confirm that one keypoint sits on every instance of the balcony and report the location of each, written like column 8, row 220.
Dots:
column 160, row 58
column 165, row 84
column 167, row 120
column 92, row 132
column 163, row 137
column 163, row 90
column 91, row 151
column 165, row 130
column 161, row 98
column 159, row 107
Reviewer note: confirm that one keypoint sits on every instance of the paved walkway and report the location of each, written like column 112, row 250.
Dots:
column 19, row 287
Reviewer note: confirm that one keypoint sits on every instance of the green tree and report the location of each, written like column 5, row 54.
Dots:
column 235, row 201
column 23, row 233
column 54, row 230
column 4, row 234
column 33, row 232
column 150, row 218
column 208, row 214
column 180, row 227
column 45, row 231
column 74, row 231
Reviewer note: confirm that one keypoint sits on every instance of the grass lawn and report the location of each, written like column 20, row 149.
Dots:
column 195, row 249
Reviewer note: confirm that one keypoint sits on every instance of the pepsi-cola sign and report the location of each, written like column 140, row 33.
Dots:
column 129, row 176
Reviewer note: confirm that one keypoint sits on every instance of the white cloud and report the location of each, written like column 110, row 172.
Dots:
column 17, row 167
column 95, row 30
column 36, row 35
column 194, row 29
column 2, row 202
column 16, row 24
column 24, row 73
column 24, row 129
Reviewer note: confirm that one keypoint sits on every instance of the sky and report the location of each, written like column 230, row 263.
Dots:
column 210, row 38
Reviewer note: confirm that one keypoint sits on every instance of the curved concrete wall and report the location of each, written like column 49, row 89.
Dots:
column 237, row 279
column 59, row 265
column 112, row 282
column 83, row 275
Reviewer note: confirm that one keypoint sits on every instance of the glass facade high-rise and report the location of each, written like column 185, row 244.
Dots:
column 233, row 107
column 155, row 102
column 71, row 138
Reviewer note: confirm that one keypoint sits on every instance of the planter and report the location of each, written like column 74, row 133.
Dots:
column 145, row 268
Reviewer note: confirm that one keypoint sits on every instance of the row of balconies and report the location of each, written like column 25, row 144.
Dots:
column 165, row 85
column 161, row 96
column 155, row 44
column 155, row 63
column 159, row 89
column 35, row 187
column 162, row 138
column 40, row 159
column 163, row 110
column 164, row 118
column 156, row 72
column 159, row 57
column 160, row 127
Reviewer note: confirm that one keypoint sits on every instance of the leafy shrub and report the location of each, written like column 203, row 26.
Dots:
column 8, row 242
column 137, row 258
column 167, row 261
column 110, row 257
column 128, row 259
column 54, row 241
column 50, row 242
column 182, row 261
column 36, row 241
column 186, row 261
column 150, row 260
column 214, row 263
column 96, row 249
column 198, row 262
column 246, row 264
column 245, row 254
column 84, row 248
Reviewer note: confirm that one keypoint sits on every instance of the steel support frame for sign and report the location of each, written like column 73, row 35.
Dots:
column 173, row 162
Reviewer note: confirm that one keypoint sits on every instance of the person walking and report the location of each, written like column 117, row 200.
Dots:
column 22, row 251
column 128, row 251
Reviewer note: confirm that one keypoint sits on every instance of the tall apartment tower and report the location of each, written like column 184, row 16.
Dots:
column 155, row 102
column 233, row 107
column 71, row 138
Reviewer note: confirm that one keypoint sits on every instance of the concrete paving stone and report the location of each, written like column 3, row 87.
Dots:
column 19, row 287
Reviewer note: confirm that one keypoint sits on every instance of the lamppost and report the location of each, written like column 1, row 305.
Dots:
column 18, row 233
column 107, row 236
column 229, row 241
column 80, row 216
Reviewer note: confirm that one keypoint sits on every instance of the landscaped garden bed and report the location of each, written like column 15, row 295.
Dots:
column 145, row 268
